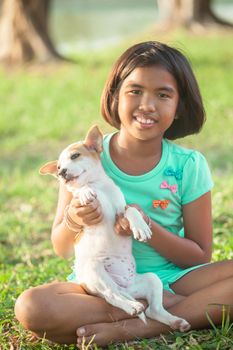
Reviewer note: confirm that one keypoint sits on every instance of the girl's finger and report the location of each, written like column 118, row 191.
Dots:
column 95, row 221
column 88, row 209
column 75, row 202
column 124, row 224
column 121, row 231
column 92, row 216
column 122, row 221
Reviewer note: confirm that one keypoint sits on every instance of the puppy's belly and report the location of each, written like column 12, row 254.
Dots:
column 121, row 268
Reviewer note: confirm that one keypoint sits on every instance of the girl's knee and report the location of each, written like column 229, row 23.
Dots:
column 31, row 309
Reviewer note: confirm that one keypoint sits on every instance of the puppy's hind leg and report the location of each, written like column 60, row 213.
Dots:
column 105, row 287
column 150, row 287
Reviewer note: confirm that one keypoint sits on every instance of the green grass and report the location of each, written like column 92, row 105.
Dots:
column 44, row 108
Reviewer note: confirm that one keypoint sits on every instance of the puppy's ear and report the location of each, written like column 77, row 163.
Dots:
column 49, row 168
column 94, row 139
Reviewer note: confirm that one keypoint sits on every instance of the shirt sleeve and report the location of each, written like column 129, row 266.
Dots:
column 196, row 179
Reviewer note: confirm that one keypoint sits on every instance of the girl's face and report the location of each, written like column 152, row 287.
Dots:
column 148, row 100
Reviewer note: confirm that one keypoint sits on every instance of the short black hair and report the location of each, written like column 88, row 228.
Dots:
column 190, row 114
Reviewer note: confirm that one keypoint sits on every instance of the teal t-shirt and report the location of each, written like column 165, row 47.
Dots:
column 181, row 176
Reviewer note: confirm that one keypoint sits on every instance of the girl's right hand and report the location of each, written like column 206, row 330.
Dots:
column 85, row 215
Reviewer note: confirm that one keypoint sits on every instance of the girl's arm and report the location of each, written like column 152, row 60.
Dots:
column 196, row 246
column 62, row 237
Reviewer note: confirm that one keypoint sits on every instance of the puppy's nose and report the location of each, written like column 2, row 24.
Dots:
column 63, row 172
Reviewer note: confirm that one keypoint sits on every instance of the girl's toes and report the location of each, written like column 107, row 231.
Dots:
column 87, row 331
column 81, row 332
column 86, row 335
column 100, row 334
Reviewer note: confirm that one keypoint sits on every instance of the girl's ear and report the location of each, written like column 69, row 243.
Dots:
column 49, row 168
column 94, row 139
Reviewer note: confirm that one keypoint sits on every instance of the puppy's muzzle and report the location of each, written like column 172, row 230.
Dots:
column 63, row 173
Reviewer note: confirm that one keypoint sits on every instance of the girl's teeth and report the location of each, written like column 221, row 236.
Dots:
column 145, row 121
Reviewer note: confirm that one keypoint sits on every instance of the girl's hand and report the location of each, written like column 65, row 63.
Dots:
column 85, row 215
column 122, row 226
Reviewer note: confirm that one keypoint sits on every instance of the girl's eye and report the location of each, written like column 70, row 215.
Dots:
column 135, row 92
column 163, row 95
column 75, row 155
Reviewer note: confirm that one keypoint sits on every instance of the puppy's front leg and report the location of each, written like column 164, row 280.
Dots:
column 85, row 194
column 138, row 226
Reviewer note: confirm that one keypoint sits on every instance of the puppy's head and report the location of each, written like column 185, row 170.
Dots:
column 77, row 162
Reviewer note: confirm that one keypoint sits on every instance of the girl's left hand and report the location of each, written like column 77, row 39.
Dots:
column 122, row 224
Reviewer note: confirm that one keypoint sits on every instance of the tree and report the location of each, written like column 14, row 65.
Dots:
column 189, row 13
column 24, row 34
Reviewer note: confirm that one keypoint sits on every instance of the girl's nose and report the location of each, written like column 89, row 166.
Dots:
column 148, row 104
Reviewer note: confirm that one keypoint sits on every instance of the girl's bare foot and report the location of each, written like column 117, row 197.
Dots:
column 119, row 331
column 106, row 333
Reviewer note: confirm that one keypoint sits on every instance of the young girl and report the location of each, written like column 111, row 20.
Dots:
column 151, row 97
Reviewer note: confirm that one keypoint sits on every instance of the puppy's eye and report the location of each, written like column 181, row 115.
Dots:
column 75, row 155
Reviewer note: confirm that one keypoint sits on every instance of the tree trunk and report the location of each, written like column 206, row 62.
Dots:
column 203, row 13
column 24, row 34
column 189, row 13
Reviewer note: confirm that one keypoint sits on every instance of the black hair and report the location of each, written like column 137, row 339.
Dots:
column 190, row 114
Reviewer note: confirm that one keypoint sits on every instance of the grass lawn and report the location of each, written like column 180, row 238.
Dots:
column 44, row 108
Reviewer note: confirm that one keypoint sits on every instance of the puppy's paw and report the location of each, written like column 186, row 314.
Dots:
column 134, row 308
column 86, row 195
column 142, row 234
column 180, row 324
column 138, row 226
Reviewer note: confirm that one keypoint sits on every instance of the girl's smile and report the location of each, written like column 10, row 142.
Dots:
column 145, row 120
column 148, row 101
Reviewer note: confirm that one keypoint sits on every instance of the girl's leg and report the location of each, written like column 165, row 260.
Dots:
column 210, row 284
column 56, row 310
column 203, row 277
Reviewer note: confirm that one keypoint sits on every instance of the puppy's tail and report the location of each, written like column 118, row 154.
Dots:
column 142, row 317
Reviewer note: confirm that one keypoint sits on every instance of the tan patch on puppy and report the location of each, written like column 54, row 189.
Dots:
column 83, row 150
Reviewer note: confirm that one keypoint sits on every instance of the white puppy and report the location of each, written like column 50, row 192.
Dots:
column 104, row 263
